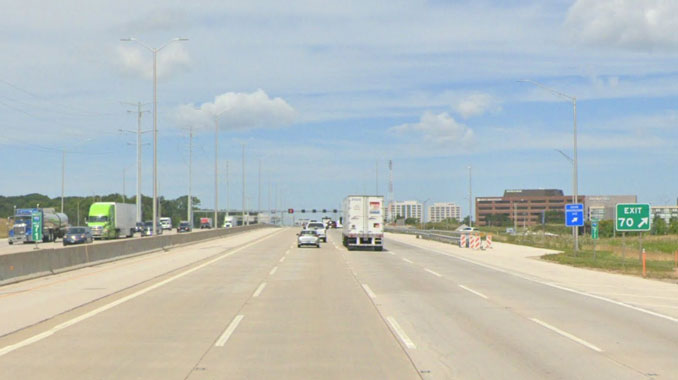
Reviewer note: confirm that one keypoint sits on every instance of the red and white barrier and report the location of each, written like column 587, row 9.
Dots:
column 475, row 241
column 462, row 240
column 488, row 242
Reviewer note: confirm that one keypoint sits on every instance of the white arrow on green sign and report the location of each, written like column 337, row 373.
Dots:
column 632, row 217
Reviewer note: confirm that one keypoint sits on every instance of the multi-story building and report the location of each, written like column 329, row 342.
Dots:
column 405, row 209
column 440, row 211
column 664, row 212
column 604, row 207
column 522, row 207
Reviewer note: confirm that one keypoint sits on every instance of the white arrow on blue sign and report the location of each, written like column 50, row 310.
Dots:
column 574, row 215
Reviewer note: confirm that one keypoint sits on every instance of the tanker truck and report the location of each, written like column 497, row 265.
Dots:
column 37, row 224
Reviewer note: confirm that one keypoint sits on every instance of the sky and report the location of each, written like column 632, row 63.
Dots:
column 322, row 95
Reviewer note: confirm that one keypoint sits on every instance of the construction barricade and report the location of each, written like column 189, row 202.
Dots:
column 462, row 240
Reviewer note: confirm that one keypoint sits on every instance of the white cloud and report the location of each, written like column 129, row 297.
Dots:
column 437, row 129
column 634, row 24
column 240, row 111
column 139, row 61
column 476, row 104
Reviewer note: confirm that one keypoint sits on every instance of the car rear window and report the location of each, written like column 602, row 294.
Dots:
column 316, row 225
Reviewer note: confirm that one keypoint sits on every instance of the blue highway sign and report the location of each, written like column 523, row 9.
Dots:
column 574, row 215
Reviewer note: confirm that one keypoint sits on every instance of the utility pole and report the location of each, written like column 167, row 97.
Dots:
column 189, row 206
column 470, row 199
column 216, row 171
column 243, row 184
column 63, row 174
column 376, row 176
column 228, row 189
column 259, row 200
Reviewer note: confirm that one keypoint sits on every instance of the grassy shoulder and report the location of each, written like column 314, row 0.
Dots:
column 614, row 254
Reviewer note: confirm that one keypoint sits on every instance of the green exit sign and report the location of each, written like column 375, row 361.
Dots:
column 633, row 217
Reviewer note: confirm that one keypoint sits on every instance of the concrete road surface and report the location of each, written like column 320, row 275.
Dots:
column 254, row 306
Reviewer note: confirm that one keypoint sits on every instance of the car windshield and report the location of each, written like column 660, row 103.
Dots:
column 307, row 232
column 316, row 225
column 76, row 230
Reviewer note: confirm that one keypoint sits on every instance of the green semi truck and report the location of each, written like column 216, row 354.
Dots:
column 111, row 220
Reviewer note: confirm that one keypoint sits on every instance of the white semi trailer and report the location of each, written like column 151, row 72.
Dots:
column 363, row 222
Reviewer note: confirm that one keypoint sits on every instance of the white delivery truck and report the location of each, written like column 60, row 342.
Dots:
column 363, row 222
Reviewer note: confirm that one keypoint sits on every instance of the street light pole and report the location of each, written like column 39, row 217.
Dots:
column 575, row 185
column 155, row 123
column 243, row 185
column 63, row 172
column 470, row 199
column 138, row 132
column 216, row 171
column 190, row 178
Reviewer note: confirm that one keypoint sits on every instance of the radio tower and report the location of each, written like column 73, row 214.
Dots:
column 389, row 212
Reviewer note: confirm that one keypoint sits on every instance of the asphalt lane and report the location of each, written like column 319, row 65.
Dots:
column 470, row 321
column 266, row 309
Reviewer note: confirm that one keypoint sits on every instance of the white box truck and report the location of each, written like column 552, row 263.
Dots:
column 363, row 222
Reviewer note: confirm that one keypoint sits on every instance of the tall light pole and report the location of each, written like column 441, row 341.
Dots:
column 216, row 170
column 228, row 189
column 155, row 121
column 573, row 100
column 189, row 206
column 259, row 193
column 470, row 199
column 139, row 132
column 243, row 185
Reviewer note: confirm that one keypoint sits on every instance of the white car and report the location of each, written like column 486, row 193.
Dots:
column 319, row 229
column 308, row 237
column 166, row 223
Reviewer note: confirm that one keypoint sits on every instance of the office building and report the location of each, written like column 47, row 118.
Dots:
column 664, row 212
column 405, row 209
column 604, row 207
column 521, row 207
column 440, row 211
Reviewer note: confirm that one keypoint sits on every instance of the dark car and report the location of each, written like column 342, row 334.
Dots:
column 139, row 227
column 78, row 235
column 148, row 229
column 184, row 227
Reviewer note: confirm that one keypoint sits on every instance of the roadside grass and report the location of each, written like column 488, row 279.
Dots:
column 612, row 254
column 3, row 227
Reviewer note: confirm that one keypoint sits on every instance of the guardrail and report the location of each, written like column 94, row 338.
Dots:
column 26, row 265
column 451, row 237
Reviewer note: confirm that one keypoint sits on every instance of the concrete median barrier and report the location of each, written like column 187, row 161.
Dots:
column 41, row 262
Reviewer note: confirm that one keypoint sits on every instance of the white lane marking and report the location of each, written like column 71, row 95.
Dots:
column 401, row 334
column 288, row 251
column 581, row 293
column 479, row 294
column 433, row 272
column 272, row 272
column 259, row 289
column 27, row 341
column 369, row 291
column 407, row 260
column 567, row 335
column 229, row 330
column 282, row 259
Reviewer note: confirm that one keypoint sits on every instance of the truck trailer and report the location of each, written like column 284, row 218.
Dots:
column 363, row 219
column 111, row 220
column 50, row 225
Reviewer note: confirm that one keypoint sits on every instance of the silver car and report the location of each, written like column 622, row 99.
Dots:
column 308, row 237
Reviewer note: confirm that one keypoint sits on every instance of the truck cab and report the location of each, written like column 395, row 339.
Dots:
column 101, row 221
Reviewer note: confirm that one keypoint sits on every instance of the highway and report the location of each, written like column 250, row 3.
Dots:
column 253, row 305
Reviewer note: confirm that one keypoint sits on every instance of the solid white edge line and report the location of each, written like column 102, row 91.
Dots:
column 433, row 272
column 407, row 260
column 229, row 330
column 71, row 322
column 479, row 294
column 282, row 259
column 567, row 335
column 259, row 289
column 581, row 293
column 272, row 272
column 401, row 334
column 369, row 291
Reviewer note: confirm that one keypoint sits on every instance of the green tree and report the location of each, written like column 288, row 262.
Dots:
column 555, row 216
column 659, row 226
column 673, row 226
column 412, row 221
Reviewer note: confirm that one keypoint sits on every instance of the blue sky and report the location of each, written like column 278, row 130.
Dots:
column 322, row 93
